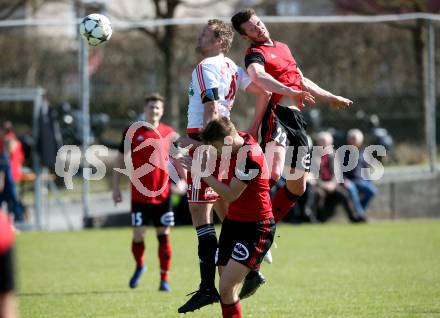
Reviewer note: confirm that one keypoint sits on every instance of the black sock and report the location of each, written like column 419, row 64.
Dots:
column 207, row 249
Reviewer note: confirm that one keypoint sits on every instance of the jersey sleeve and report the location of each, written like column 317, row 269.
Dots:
column 244, row 79
column 208, row 82
column 254, row 55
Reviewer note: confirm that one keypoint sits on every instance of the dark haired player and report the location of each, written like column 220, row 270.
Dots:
column 248, row 228
column 150, row 192
column 271, row 65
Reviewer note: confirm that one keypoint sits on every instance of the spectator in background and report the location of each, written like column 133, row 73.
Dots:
column 7, row 297
column 14, row 149
column 360, row 189
column 8, row 191
column 328, row 192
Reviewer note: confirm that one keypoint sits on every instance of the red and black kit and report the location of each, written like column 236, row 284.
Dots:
column 283, row 125
column 249, row 228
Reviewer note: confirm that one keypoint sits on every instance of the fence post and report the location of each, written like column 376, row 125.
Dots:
column 429, row 95
column 85, row 98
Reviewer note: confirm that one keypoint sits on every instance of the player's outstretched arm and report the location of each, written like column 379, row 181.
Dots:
column 267, row 82
column 228, row 193
column 119, row 163
column 262, row 100
column 325, row 96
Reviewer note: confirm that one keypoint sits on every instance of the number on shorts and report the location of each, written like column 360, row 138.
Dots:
column 281, row 137
column 136, row 219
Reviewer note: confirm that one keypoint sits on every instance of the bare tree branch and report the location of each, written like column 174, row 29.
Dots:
column 198, row 4
column 9, row 11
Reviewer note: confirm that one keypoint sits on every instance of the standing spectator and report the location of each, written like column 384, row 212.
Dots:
column 360, row 189
column 328, row 191
column 7, row 297
column 8, row 191
column 14, row 149
column 149, row 148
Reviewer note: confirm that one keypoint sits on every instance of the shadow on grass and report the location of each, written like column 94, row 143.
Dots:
column 79, row 293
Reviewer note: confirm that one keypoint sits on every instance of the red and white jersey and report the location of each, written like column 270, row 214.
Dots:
column 214, row 72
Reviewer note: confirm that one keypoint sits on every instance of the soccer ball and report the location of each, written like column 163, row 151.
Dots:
column 95, row 29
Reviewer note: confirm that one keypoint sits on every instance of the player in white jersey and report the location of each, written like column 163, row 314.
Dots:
column 217, row 75
column 211, row 95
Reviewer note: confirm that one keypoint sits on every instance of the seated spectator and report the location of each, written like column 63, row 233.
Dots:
column 327, row 191
column 360, row 189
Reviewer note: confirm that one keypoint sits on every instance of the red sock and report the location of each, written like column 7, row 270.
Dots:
column 231, row 310
column 282, row 202
column 164, row 252
column 137, row 248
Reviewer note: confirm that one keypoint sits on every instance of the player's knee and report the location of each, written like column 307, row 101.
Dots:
column 138, row 237
column 226, row 291
column 297, row 188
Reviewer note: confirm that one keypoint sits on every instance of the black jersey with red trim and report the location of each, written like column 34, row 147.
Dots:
column 279, row 62
column 150, row 147
column 250, row 166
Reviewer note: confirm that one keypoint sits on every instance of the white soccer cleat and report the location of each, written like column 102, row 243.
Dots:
column 268, row 257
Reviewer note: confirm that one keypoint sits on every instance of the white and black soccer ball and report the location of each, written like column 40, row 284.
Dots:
column 95, row 29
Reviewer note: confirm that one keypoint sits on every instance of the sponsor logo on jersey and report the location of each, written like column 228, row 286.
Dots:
column 240, row 252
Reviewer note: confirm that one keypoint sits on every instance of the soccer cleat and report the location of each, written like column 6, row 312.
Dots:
column 268, row 257
column 200, row 298
column 251, row 283
column 134, row 280
column 164, row 286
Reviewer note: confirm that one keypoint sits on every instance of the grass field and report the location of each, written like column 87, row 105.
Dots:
column 335, row 270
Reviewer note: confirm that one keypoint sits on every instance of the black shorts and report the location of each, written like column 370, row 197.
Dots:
column 287, row 127
column 161, row 214
column 245, row 242
column 6, row 272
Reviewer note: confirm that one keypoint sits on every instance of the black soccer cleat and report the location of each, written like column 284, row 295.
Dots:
column 200, row 298
column 251, row 283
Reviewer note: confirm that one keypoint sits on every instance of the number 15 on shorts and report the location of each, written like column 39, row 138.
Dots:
column 136, row 219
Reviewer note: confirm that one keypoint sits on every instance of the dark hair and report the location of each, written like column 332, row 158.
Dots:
column 223, row 32
column 217, row 130
column 241, row 17
column 153, row 98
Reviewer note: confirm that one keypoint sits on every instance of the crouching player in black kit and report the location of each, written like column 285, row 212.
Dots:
column 248, row 229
